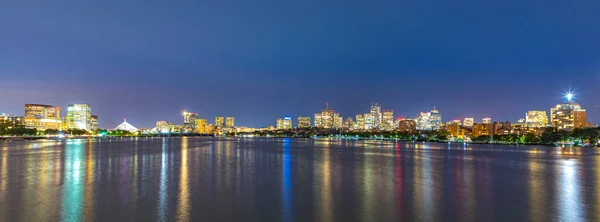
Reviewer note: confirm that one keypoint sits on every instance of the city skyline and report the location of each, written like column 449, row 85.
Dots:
column 190, row 116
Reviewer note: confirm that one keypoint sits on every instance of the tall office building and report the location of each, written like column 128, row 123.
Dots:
column 429, row 120
column 536, row 118
column 325, row 118
column 486, row 120
column 219, row 121
column 284, row 123
column 79, row 116
column 94, row 123
column 567, row 116
column 376, row 115
column 468, row 122
column 230, row 121
column 42, row 117
column 349, row 124
column 368, row 121
column 338, row 122
column 388, row 120
column 303, row 122
column 189, row 117
column 360, row 122
column 201, row 125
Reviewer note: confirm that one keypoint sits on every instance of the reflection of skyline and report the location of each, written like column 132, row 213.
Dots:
column 175, row 180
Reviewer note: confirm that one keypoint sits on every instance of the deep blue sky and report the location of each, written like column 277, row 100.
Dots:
column 258, row 60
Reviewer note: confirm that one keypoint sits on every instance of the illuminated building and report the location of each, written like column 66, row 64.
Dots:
column 536, row 118
column 388, row 120
column 360, row 122
column 201, row 125
column 189, row 122
column 567, row 116
column 210, row 129
column 376, row 115
column 325, row 118
column 468, row 122
column 455, row 130
column 94, row 123
column 230, row 121
column 456, row 121
column 349, row 124
column 219, row 121
column 338, row 122
column 164, row 126
column 303, row 122
column 430, row 120
column 12, row 120
column 284, row 123
column 42, row 117
column 486, row 120
column 79, row 116
column 484, row 129
column 368, row 121
column 407, row 125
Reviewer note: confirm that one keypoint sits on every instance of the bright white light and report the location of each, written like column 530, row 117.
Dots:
column 569, row 96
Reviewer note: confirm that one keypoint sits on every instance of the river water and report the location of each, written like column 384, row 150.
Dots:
column 207, row 179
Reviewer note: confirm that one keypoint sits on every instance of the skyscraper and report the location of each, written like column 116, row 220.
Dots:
column 284, row 123
column 360, row 122
column 567, row 116
column 376, row 115
column 94, row 123
column 230, row 121
column 349, row 124
column 303, row 122
column 536, row 118
column 219, row 121
column 79, row 116
column 338, row 122
column 325, row 118
column 429, row 120
column 468, row 122
column 388, row 120
column 189, row 122
column 368, row 121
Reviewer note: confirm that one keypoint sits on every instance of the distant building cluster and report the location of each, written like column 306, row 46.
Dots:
column 47, row 117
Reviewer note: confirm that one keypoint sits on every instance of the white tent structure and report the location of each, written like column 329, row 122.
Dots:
column 126, row 126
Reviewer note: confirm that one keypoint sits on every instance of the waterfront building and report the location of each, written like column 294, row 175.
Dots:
column 164, row 126
column 468, row 122
column 455, row 130
column 568, row 116
column 376, row 115
column 349, row 124
column 407, row 125
column 94, row 123
column 12, row 119
column 79, row 116
column 483, row 129
column 388, row 120
column 338, row 121
column 429, row 120
column 201, row 125
column 486, row 120
column 360, row 122
column 219, row 121
column 230, row 121
column 536, row 118
column 42, row 117
column 325, row 118
column 303, row 122
column 368, row 121
column 284, row 123
column 210, row 129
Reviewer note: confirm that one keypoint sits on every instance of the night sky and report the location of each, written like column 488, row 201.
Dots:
column 259, row 60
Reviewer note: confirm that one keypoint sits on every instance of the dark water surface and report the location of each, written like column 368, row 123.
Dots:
column 205, row 179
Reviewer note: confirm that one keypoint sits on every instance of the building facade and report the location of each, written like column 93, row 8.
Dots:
column 486, row 120
column 325, row 118
column 42, row 117
column 568, row 116
column 468, row 122
column 230, row 121
column 303, row 122
column 284, row 123
column 219, row 121
column 536, row 118
column 376, row 115
column 360, row 122
column 429, row 120
column 407, row 125
column 94, row 123
column 201, row 125
column 79, row 116
column 164, row 126
column 388, row 120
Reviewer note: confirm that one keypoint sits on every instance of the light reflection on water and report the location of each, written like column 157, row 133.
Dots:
column 182, row 179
